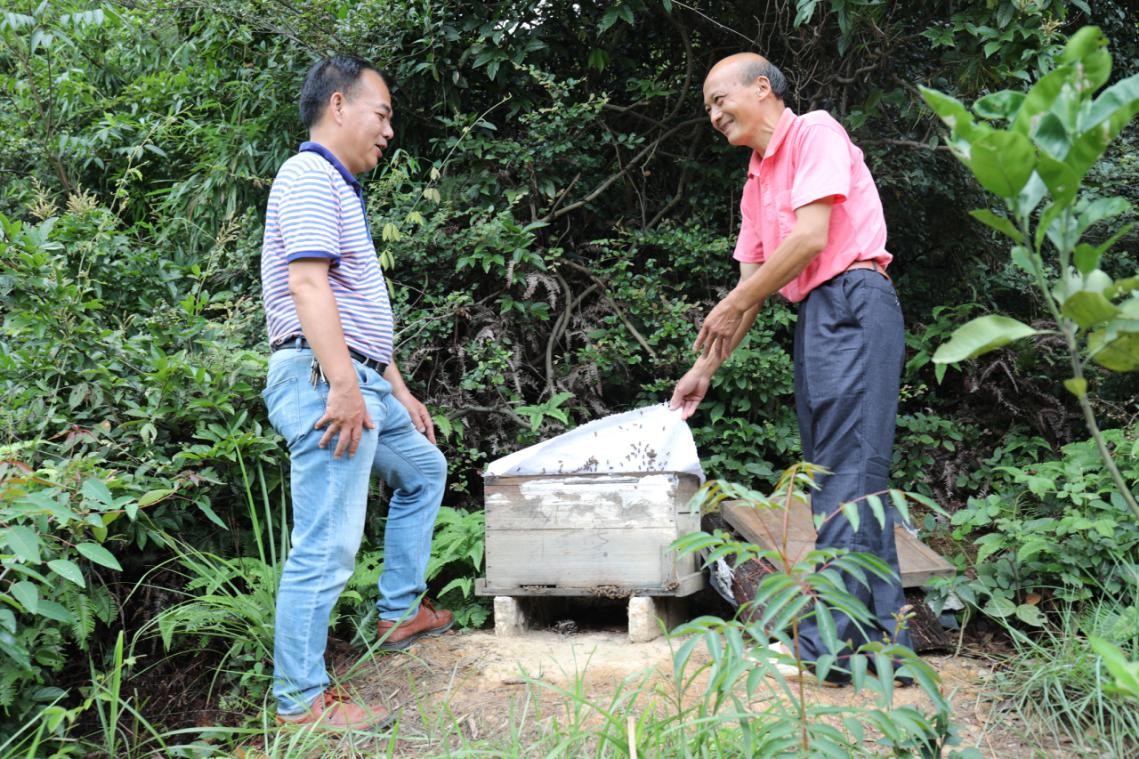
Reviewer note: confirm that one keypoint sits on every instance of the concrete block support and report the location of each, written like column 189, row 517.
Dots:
column 644, row 624
column 509, row 617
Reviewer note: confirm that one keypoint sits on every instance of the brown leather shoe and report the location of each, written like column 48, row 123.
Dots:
column 427, row 621
column 333, row 710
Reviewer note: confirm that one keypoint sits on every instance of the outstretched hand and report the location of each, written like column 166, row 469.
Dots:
column 689, row 391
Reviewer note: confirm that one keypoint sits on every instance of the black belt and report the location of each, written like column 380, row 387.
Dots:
column 299, row 342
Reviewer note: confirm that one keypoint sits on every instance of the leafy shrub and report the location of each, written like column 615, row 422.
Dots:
column 54, row 559
column 1053, row 530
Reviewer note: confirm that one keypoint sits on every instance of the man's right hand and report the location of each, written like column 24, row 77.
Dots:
column 346, row 417
column 689, row 391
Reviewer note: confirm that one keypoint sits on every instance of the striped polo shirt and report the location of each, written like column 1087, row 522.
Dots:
column 316, row 210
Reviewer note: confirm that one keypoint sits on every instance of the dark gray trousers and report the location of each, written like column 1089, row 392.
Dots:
column 849, row 349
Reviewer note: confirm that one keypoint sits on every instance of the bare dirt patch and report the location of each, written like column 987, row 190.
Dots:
column 485, row 686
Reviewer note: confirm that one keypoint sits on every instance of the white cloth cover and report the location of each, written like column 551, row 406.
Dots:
column 649, row 439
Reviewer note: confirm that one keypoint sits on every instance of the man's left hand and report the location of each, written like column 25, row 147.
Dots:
column 719, row 329
column 420, row 416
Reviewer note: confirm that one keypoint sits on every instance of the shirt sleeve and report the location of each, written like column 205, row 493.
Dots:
column 822, row 167
column 309, row 215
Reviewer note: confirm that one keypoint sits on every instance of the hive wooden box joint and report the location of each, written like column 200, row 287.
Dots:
column 589, row 534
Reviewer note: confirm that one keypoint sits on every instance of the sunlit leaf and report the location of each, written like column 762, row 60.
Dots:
column 999, row 105
column 1001, row 224
column 1003, row 162
column 68, row 571
column 1077, row 386
column 1083, row 43
column 1087, row 308
column 980, row 336
column 96, row 553
column 1117, row 347
column 152, row 497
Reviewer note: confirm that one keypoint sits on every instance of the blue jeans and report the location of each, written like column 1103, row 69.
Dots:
column 329, row 503
column 849, row 351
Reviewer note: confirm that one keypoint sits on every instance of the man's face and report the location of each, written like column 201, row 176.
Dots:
column 365, row 122
column 732, row 106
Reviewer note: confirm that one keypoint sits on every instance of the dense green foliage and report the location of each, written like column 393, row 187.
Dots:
column 556, row 219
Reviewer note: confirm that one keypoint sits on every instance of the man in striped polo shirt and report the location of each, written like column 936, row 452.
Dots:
column 336, row 396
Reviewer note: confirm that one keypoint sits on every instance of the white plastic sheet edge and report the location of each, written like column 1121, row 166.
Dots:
column 649, row 439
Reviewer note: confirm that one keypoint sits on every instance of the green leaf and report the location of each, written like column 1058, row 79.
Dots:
column 96, row 490
column 96, row 553
column 1030, row 615
column 1125, row 672
column 999, row 607
column 24, row 542
column 1100, row 210
column 1001, row 224
column 964, row 130
column 54, row 611
column 68, row 571
column 211, row 514
column 806, row 9
column 1083, row 43
column 1051, row 136
column 1040, row 98
column 1103, row 122
column 1096, row 69
column 152, row 497
column 1087, row 257
column 1077, row 386
column 1117, row 347
column 1024, row 259
column 1087, row 309
column 27, row 593
column 999, row 105
column 608, row 19
column 979, row 336
column 1003, row 162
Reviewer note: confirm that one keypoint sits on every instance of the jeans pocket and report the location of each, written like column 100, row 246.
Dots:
column 282, row 399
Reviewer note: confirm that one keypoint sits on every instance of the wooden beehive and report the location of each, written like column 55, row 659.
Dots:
column 589, row 534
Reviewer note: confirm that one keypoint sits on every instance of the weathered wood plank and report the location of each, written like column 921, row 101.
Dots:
column 685, row 586
column 590, row 501
column 583, row 557
column 768, row 528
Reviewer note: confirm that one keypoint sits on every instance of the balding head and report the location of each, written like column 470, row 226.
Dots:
column 745, row 68
column 743, row 96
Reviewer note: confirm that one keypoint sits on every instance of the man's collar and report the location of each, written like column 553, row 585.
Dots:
column 782, row 127
column 326, row 154
column 781, row 130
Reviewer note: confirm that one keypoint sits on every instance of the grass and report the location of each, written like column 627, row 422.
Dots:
column 1058, row 685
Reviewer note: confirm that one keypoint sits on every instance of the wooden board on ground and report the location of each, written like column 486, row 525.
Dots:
column 766, row 528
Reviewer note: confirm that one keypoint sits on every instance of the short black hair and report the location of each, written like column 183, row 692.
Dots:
column 753, row 71
column 336, row 74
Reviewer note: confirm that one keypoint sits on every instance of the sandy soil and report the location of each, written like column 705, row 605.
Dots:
column 486, row 686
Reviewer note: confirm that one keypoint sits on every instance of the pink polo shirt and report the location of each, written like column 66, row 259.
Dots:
column 810, row 157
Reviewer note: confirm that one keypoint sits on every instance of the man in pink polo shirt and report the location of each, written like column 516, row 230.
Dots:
column 813, row 230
